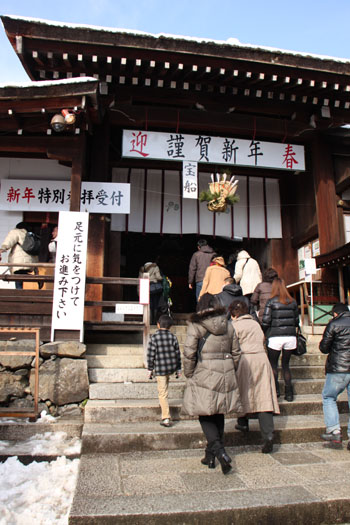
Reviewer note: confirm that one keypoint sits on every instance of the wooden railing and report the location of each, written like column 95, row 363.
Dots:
column 34, row 305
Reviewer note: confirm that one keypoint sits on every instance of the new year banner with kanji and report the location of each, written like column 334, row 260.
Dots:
column 212, row 150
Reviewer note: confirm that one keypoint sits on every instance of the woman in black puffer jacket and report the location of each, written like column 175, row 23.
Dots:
column 279, row 322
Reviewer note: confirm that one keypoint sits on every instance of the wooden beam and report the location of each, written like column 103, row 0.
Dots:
column 232, row 123
column 21, row 144
column 34, row 105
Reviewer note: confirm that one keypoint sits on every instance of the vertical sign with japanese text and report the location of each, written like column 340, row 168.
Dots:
column 190, row 180
column 70, row 271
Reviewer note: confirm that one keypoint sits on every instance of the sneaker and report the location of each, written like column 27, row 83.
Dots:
column 334, row 437
column 165, row 422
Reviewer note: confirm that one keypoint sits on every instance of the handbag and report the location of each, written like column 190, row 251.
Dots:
column 155, row 287
column 301, row 344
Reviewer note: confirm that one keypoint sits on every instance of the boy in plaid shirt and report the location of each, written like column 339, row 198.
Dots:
column 163, row 359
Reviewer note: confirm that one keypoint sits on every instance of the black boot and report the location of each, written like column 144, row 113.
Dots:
column 242, row 424
column 267, row 446
column 278, row 392
column 288, row 393
column 209, row 459
column 225, row 462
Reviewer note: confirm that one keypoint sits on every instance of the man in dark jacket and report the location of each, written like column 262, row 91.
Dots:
column 233, row 292
column 199, row 263
column 336, row 343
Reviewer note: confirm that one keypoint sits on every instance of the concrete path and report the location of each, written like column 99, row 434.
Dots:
column 296, row 484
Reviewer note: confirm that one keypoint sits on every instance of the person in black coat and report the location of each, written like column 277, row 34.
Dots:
column 279, row 322
column 336, row 343
column 233, row 292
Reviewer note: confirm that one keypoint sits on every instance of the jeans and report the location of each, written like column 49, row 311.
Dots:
column 334, row 385
column 199, row 285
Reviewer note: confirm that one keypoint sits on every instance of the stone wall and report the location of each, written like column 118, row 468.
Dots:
column 63, row 375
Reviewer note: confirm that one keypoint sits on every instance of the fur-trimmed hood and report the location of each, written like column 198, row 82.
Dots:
column 214, row 320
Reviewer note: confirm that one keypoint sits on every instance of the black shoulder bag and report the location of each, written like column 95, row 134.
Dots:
column 201, row 343
column 301, row 344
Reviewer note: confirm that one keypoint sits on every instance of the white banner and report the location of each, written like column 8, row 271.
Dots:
column 214, row 150
column 144, row 291
column 129, row 308
column 69, row 287
column 39, row 195
column 190, row 180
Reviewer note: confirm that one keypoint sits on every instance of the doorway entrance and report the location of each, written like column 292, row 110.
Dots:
column 173, row 254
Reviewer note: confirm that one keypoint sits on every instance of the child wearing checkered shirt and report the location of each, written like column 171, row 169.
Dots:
column 163, row 360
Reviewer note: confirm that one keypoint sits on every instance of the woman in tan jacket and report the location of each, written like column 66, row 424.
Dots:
column 254, row 375
column 13, row 242
column 211, row 390
column 215, row 275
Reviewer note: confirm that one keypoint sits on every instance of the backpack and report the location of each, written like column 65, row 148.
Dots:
column 166, row 283
column 31, row 243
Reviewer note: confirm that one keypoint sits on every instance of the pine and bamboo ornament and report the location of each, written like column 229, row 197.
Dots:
column 222, row 193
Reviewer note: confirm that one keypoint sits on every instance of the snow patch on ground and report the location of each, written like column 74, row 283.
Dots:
column 39, row 493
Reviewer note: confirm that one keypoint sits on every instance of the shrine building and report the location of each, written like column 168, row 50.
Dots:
column 159, row 115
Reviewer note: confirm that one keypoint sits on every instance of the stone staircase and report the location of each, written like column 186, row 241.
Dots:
column 122, row 417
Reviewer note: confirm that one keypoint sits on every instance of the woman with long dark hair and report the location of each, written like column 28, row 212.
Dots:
column 280, row 321
column 211, row 389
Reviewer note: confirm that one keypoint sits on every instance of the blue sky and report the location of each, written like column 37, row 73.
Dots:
column 315, row 26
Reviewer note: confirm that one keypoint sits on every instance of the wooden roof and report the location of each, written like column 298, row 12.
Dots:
column 147, row 78
column 30, row 107
column 338, row 257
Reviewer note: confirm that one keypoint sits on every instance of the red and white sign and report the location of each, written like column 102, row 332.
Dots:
column 212, row 150
column 39, row 195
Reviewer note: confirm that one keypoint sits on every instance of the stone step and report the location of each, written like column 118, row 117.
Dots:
column 20, row 429
column 316, row 330
column 296, row 484
column 306, row 372
column 187, row 434
column 110, row 349
column 148, row 390
column 110, row 358
column 299, row 369
column 134, row 390
column 115, row 361
column 134, row 410
column 120, row 375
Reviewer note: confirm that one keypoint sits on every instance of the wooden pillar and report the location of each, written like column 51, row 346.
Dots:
column 112, row 266
column 78, row 162
column 99, row 159
column 341, row 284
column 96, row 260
column 284, row 257
column 326, row 199
column 95, row 264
